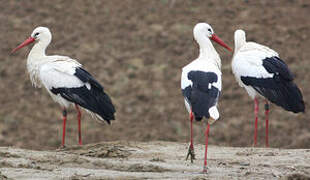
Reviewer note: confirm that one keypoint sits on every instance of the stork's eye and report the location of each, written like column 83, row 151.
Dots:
column 36, row 34
column 210, row 30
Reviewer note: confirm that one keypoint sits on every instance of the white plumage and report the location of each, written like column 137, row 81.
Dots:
column 65, row 80
column 201, row 82
column 248, row 60
column 261, row 72
column 207, row 61
column 59, row 73
column 205, row 65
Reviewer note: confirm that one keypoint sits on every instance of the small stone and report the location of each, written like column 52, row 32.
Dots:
column 244, row 164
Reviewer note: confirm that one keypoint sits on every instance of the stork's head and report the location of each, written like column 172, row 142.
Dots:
column 39, row 34
column 240, row 34
column 202, row 30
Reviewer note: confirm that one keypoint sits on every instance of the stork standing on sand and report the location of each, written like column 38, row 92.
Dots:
column 201, row 83
column 66, row 81
column 260, row 71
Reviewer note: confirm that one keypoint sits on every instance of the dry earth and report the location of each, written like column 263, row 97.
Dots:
column 136, row 49
column 153, row 160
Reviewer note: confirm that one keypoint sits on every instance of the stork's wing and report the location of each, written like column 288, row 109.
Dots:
column 76, row 85
column 269, row 76
column 201, row 94
column 84, row 76
column 60, row 73
column 257, row 64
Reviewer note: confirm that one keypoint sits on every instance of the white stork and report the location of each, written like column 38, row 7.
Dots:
column 260, row 71
column 66, row 81
column 201, row 83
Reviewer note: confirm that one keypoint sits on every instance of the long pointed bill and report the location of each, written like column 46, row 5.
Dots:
column 220, row 42
column 25, row 43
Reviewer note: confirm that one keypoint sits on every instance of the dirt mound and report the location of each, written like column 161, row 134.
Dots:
column 296, row 176
column 100, row 150
column 136, row 49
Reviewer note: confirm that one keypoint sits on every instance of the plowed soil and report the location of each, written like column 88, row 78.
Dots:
column 136, row 49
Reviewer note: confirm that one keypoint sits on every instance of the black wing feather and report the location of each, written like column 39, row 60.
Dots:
column 84, row 76
column 280, row 89
column 93, row 99
column 278, row 66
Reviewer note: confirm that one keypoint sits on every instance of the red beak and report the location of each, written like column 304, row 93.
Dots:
column 220, row 42
column 25, row 43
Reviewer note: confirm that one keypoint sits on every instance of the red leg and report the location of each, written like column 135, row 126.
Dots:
column 205, row 169
column 256, row 119
column 79, row 123
column 191, row 118
column 64, row 118
column 267, row 123
column 191, row 146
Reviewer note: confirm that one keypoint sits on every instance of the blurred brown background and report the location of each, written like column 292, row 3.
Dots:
column 136, row 49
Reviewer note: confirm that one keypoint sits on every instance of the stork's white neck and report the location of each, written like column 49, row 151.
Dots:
column 207, row 51
column 240, row 40
column 38, row 50
column 36, row 58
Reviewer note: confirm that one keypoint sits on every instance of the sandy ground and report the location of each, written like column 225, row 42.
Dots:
column 153, row 160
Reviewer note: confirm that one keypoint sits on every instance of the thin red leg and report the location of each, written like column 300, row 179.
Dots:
column 191, row 118
column 256, row 119
column 267, row 123
column 205, row 169
column 191, row 152
column 79, row 123
column 64, row 118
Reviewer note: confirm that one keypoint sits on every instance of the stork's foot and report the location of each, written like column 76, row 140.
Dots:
column 191, row 153
column 62, row 147
column 205, row 170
